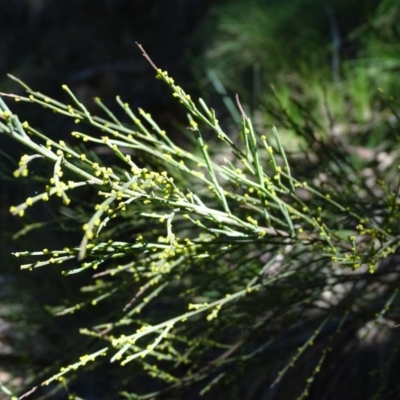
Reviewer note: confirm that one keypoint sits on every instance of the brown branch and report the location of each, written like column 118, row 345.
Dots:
column 240, row 107
column 146, row 56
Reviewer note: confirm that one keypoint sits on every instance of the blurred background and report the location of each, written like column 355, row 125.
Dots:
column 324, row 60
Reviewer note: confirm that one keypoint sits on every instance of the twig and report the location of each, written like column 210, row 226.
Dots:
column 240, row 107
column 28, row 393
column 15, row 96
column 146, row 56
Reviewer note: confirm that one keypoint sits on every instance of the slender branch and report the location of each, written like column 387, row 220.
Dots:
column 146, row 56
column 240, row 107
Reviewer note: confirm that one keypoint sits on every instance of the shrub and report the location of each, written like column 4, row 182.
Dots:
column 235, row 266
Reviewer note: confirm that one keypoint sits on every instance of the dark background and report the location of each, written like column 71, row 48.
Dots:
column 90, row 46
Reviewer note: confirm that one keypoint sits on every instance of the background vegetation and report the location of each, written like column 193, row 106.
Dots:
column 320, row 316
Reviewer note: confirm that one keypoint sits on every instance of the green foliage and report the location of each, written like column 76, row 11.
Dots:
column 326, row 59
column 198, row 267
